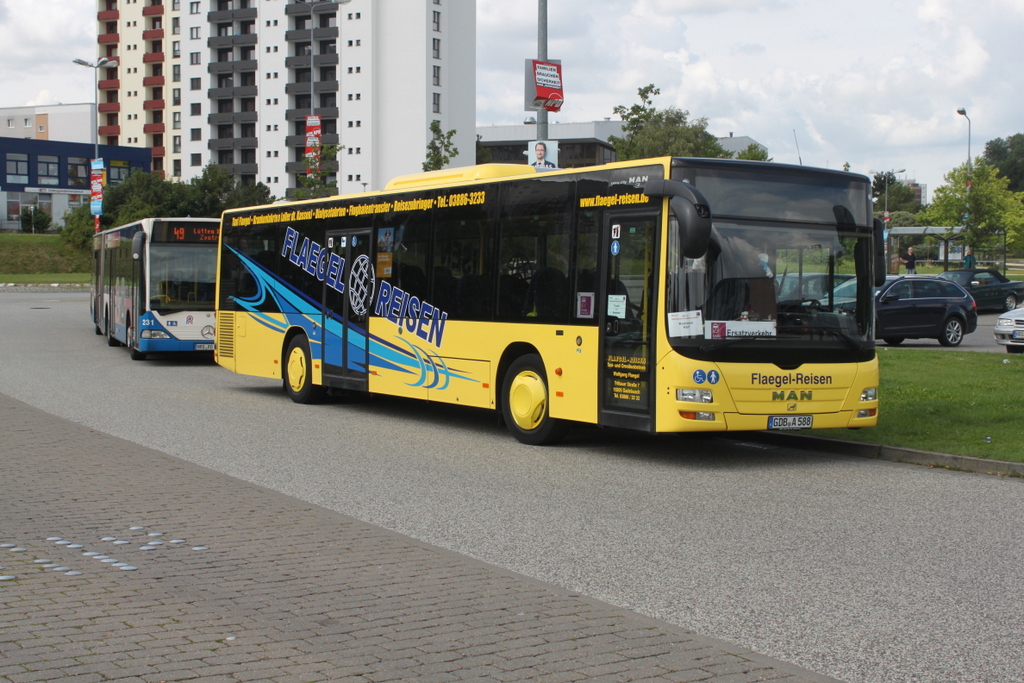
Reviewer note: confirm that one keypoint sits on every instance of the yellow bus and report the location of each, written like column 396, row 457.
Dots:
column 661, row 295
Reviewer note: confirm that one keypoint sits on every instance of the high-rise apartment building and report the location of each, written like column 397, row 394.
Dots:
column 232, row 82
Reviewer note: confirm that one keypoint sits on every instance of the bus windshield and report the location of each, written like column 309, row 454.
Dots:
column 182, row 277
column 764, row 287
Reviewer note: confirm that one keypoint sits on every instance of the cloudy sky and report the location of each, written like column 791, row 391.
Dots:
column 872, row 83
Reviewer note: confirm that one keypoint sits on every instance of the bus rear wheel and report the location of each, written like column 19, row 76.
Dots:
column 525, row 403
column 298, row 373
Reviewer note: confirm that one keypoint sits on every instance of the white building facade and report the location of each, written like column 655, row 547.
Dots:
column 232, row 81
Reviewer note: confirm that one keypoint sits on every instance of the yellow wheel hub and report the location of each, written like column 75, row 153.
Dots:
column 297, row 370
column 527, row 400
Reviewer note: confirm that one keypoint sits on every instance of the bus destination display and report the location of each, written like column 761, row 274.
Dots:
column 185, row 232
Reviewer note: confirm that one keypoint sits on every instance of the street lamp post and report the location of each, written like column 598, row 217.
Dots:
column 312, row 54
column 96, row 164
column 963, row 113
column 102, row 62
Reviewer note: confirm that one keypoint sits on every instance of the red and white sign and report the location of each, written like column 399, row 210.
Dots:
column 313, row 133
column 544, row 85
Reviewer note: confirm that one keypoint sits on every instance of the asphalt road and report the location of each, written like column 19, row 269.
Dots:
column 859, row 569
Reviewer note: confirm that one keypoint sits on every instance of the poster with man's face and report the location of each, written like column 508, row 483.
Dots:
column 543, row 154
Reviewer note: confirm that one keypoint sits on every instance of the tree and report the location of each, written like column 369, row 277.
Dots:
column 484, row 155
column 319, row 169
column 754, row 152
column 34, row 219
column 901, row 197
column 652, row 132
column 984, row 209
column 440, row 149
column 1008, row 156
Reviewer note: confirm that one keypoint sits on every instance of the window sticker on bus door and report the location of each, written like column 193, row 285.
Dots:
column 385, row 247
column 584, row 304
column 686, row 324
column 617, row 305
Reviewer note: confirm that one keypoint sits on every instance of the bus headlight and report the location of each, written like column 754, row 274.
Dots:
column 694, row 395
column 870, row 394
column 154, row 334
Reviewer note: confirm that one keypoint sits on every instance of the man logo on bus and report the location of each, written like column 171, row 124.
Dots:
column 360, row 285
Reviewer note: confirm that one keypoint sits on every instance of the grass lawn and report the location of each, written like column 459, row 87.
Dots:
column 947, row 402
column 41, row 256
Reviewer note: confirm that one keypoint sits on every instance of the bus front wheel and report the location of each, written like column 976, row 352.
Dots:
column 298, row 373
column 525, row 403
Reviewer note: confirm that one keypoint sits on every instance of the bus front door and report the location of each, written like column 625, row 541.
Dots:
column 348, row 295
column 625, row 311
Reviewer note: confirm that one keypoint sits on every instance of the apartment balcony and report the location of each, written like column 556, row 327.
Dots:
column 301, row 114
column 232, row 67
column 298, row 35
column 153, row 34
column 233, row 91
column 158, row 151
column 244, row 169
column 154, row 128
column 153, row 80
column 108, row 15
column 328, row 59
column 153, row 104
column 108, row 38
column 109, row 130
column 217, row 144
column 151, row 57
column 109, row 107
column 303, row 87
column 217, row 16
column 153, row 11
column 300, row 140
column 109, row 84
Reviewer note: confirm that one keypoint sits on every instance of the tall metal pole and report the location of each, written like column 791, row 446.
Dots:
column 542, row 55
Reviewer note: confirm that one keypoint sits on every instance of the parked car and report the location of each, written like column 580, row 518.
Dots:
column 988, row 287
column 923, row 307
column 1009, row 330
column 916, row 307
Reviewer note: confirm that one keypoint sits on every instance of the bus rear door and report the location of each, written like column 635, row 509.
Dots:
column 347, row 300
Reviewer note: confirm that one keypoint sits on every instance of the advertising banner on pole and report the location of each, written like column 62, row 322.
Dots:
column 544, row 84
column 96, row 184
column 313, row 132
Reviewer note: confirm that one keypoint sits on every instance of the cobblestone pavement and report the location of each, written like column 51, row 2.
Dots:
column 123, row 563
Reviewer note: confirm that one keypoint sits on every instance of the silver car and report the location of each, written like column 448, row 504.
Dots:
column 1009, row 330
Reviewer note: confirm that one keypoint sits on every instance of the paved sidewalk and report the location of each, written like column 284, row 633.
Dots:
column 131, row 565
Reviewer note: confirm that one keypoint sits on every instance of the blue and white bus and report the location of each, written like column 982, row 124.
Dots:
column 153, row 285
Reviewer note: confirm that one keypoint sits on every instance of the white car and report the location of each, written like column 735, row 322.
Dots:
column 1009, row 330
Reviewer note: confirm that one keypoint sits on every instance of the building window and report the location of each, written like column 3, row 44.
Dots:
column 196, row 134
column 175, row 97
column 176, row 73
column 197, row 109
column 176, row 48
column 193, row 8
column 48, row 170
column 195, row 84
column 196, row 159
column 437, row 75
column 176, row 120
column 176, row 164
column 78, row 172
column 437, row 103
column 17, row 168
column 193, row 33
column 437, row 21
column 193, row 58
column 437, row 48
column 175, row 26
column 176, row 144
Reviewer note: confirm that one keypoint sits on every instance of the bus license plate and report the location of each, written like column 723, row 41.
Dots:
column 204, row 347
column 790, row 421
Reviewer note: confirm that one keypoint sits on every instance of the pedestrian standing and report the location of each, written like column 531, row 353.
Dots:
column 910, row 260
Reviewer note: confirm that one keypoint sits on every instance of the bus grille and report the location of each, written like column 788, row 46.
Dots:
column 226, row 334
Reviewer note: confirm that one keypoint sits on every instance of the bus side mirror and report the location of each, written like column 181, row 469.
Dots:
column 138, row 242
column 691, row 209
column 879, row 252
